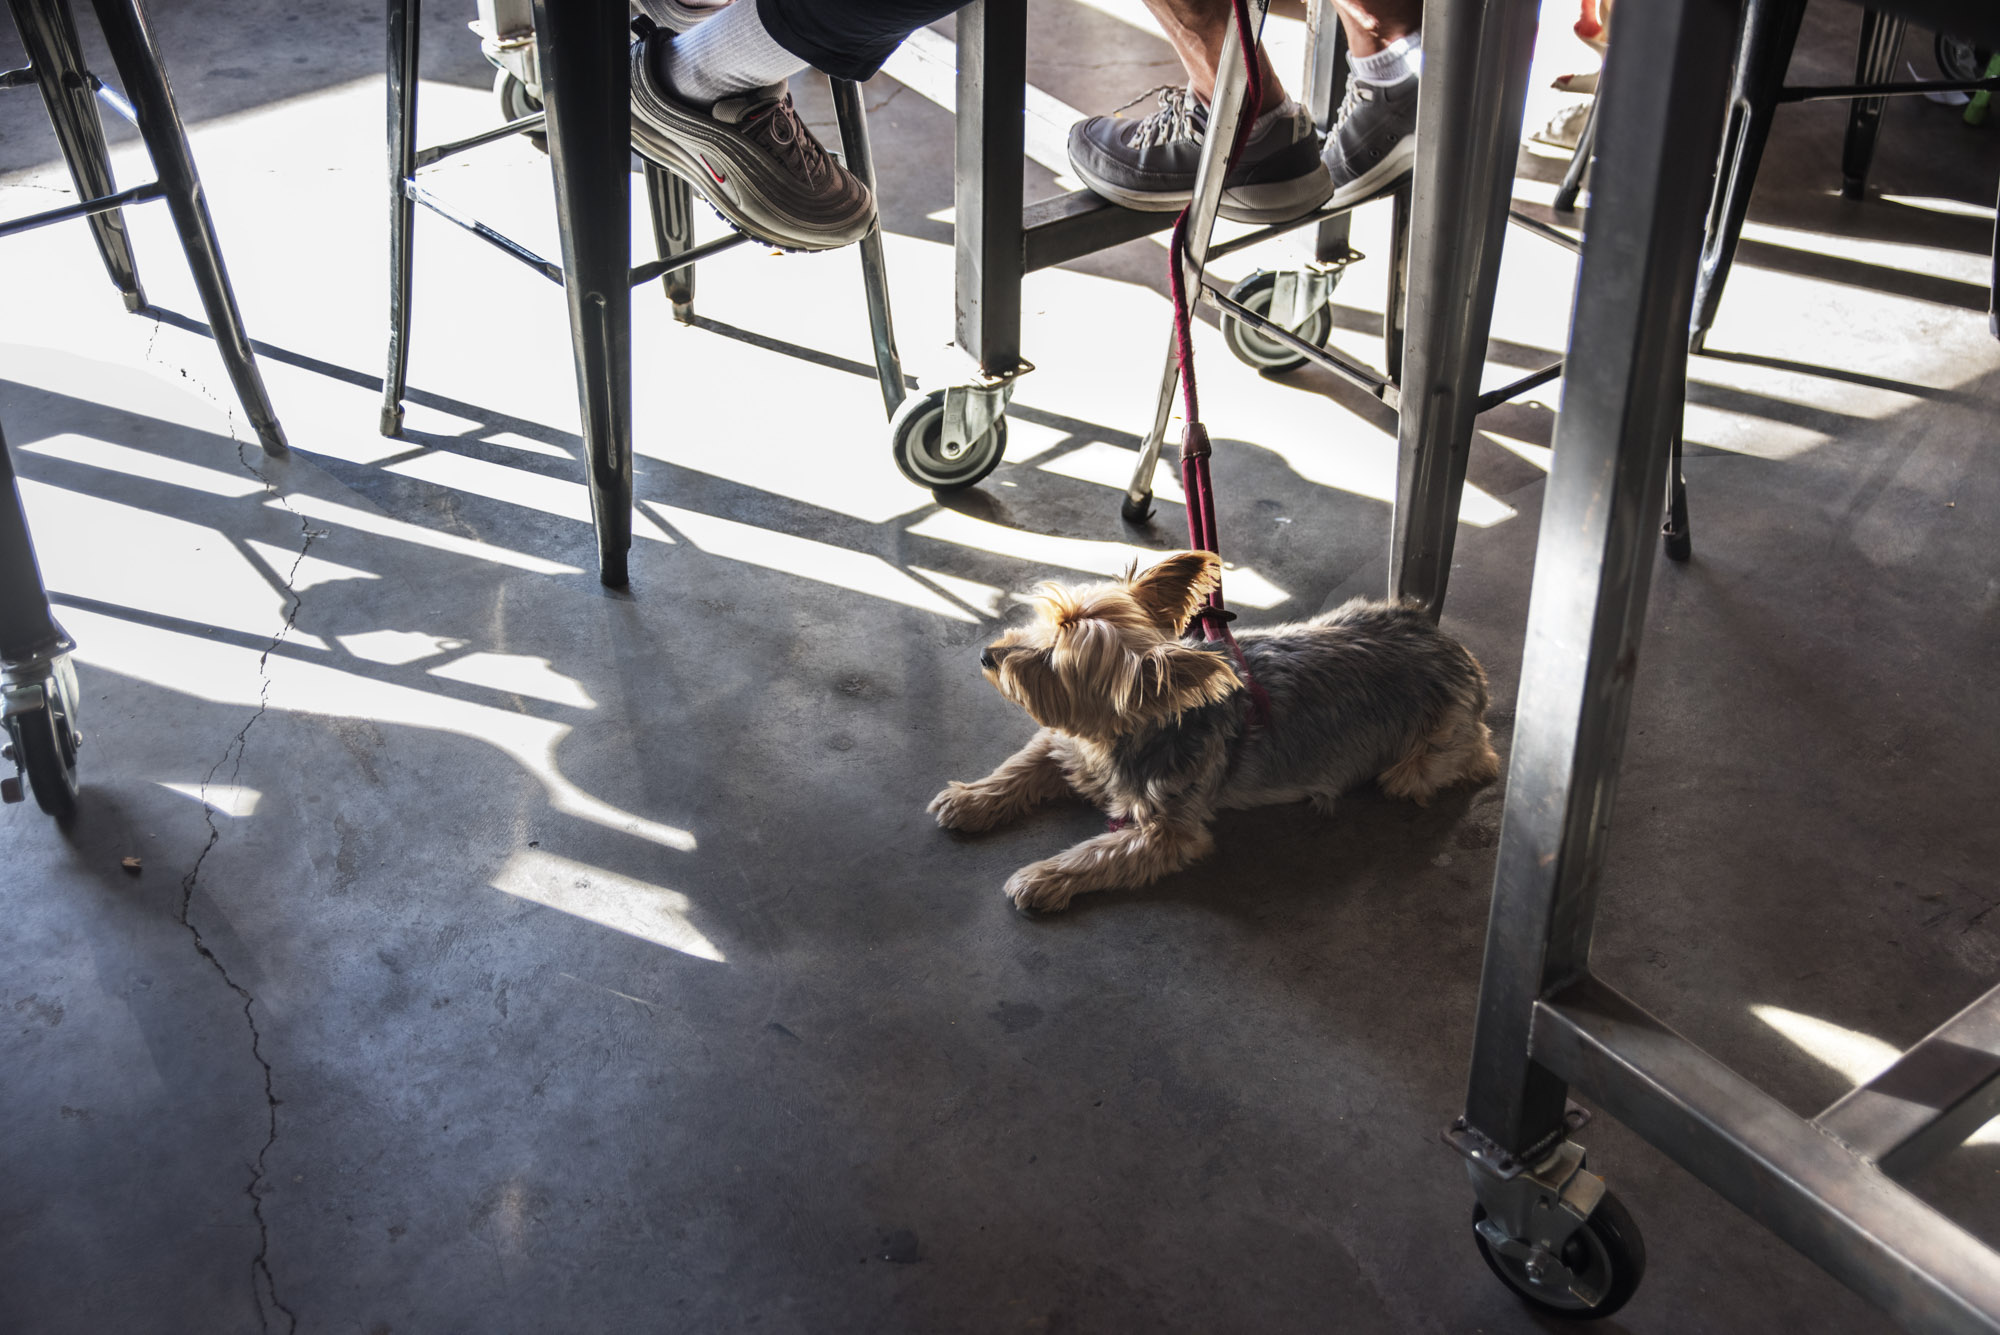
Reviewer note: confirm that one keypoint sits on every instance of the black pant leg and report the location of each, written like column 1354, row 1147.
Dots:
column 848, row 39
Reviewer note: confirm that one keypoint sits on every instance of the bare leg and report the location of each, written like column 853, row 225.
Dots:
column 1195, row 28
column 1121, row 860
column 1373, row 24
column 1031, row 776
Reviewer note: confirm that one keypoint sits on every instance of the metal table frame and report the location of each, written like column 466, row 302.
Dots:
column 1545, row 1024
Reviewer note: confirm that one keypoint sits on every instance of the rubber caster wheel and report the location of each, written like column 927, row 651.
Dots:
column 916, row 436
column 1959, row 59
column 1255, row 348
column 45, row 740
column 1605, row 1252
column 516, row 101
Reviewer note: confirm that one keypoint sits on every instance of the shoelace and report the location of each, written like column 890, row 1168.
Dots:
column 1177, row 117
column 789, row 141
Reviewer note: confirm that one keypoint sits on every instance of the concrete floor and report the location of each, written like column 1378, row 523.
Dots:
column 513, row 955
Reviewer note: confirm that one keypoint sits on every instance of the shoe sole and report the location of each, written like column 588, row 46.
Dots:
column 730, row 178
column 1278, row 201
column 1379, row 179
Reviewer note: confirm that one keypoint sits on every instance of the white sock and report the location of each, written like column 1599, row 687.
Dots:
column 1263, row 122
column 1392, row 64
column 730, row 53
column 1273, row 116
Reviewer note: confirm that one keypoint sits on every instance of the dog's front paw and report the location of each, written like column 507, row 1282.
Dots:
column 1041, row 888
column 961, row 807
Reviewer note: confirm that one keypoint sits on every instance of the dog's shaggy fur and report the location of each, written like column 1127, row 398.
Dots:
column 1157, row 729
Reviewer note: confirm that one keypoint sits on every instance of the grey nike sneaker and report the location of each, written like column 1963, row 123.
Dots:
column 1149, row 164
column 1374, row 141
column 753, row 159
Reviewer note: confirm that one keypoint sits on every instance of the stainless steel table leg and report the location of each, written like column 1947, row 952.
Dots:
column 1469, row 110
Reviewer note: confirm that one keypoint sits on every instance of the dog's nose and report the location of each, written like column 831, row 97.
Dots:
column 986, row 660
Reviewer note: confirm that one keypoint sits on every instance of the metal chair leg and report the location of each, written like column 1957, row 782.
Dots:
column 1396, row 303
column 1226, row 111
column 405, row 24
column 1769, row 30
column 670, row 200
column 986, row 182
column 145, row 79
column 1579, row 163
column 27, row 631
column 48, row 32
column 853, row 118
column 1674, row 533
column 1874, row 62
column 1993, row 288
column 586, row 86
column 1469, row 108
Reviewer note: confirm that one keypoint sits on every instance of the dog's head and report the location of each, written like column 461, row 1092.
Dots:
column 1102, row 660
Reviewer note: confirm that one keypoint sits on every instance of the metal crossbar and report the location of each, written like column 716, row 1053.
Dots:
column 138, row 194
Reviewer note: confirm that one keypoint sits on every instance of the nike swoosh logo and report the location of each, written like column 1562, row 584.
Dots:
column 717, row 176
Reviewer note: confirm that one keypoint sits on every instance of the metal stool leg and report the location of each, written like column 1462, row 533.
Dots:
column 670, row 200
column 27, row 631
column 1469, row 108
column 405, row 24
column 145, row 79
column 48, row 32
column 1770, row 29
column 586, row 86
column 1396, row 303
column 854, row 144
column 1579, row 163
column 1674, row 528
column 1993, row 288
column 1231, row 85
column 1874, row 62
column 986, row 184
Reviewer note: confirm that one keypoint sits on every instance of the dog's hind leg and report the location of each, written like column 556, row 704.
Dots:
column 1124, row 859
column 1458, row 751
column 1031, row 776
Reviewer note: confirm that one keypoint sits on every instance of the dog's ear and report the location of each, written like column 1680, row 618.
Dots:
column 1175, row 677
column 1172, row 590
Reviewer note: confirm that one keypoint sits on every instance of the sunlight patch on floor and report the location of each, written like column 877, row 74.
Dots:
column 382, row 526
column 517, row 674
column 1106, row 559
column 1857, row 1056
column 230, row 674
column 622, row 903
column 225, row 799
column 824, row 563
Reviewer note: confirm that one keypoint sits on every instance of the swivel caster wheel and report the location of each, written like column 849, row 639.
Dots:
column 1599, row 1269
column 926, row 451
column 1259, row 294
column 517, row 100
column 42, row 739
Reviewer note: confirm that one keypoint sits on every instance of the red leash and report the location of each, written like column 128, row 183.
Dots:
column 1214, row 617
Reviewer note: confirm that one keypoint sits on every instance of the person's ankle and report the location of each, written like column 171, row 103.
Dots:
column 657, row 53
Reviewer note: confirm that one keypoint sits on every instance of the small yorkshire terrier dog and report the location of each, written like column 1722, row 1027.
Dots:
column 1160, row 731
